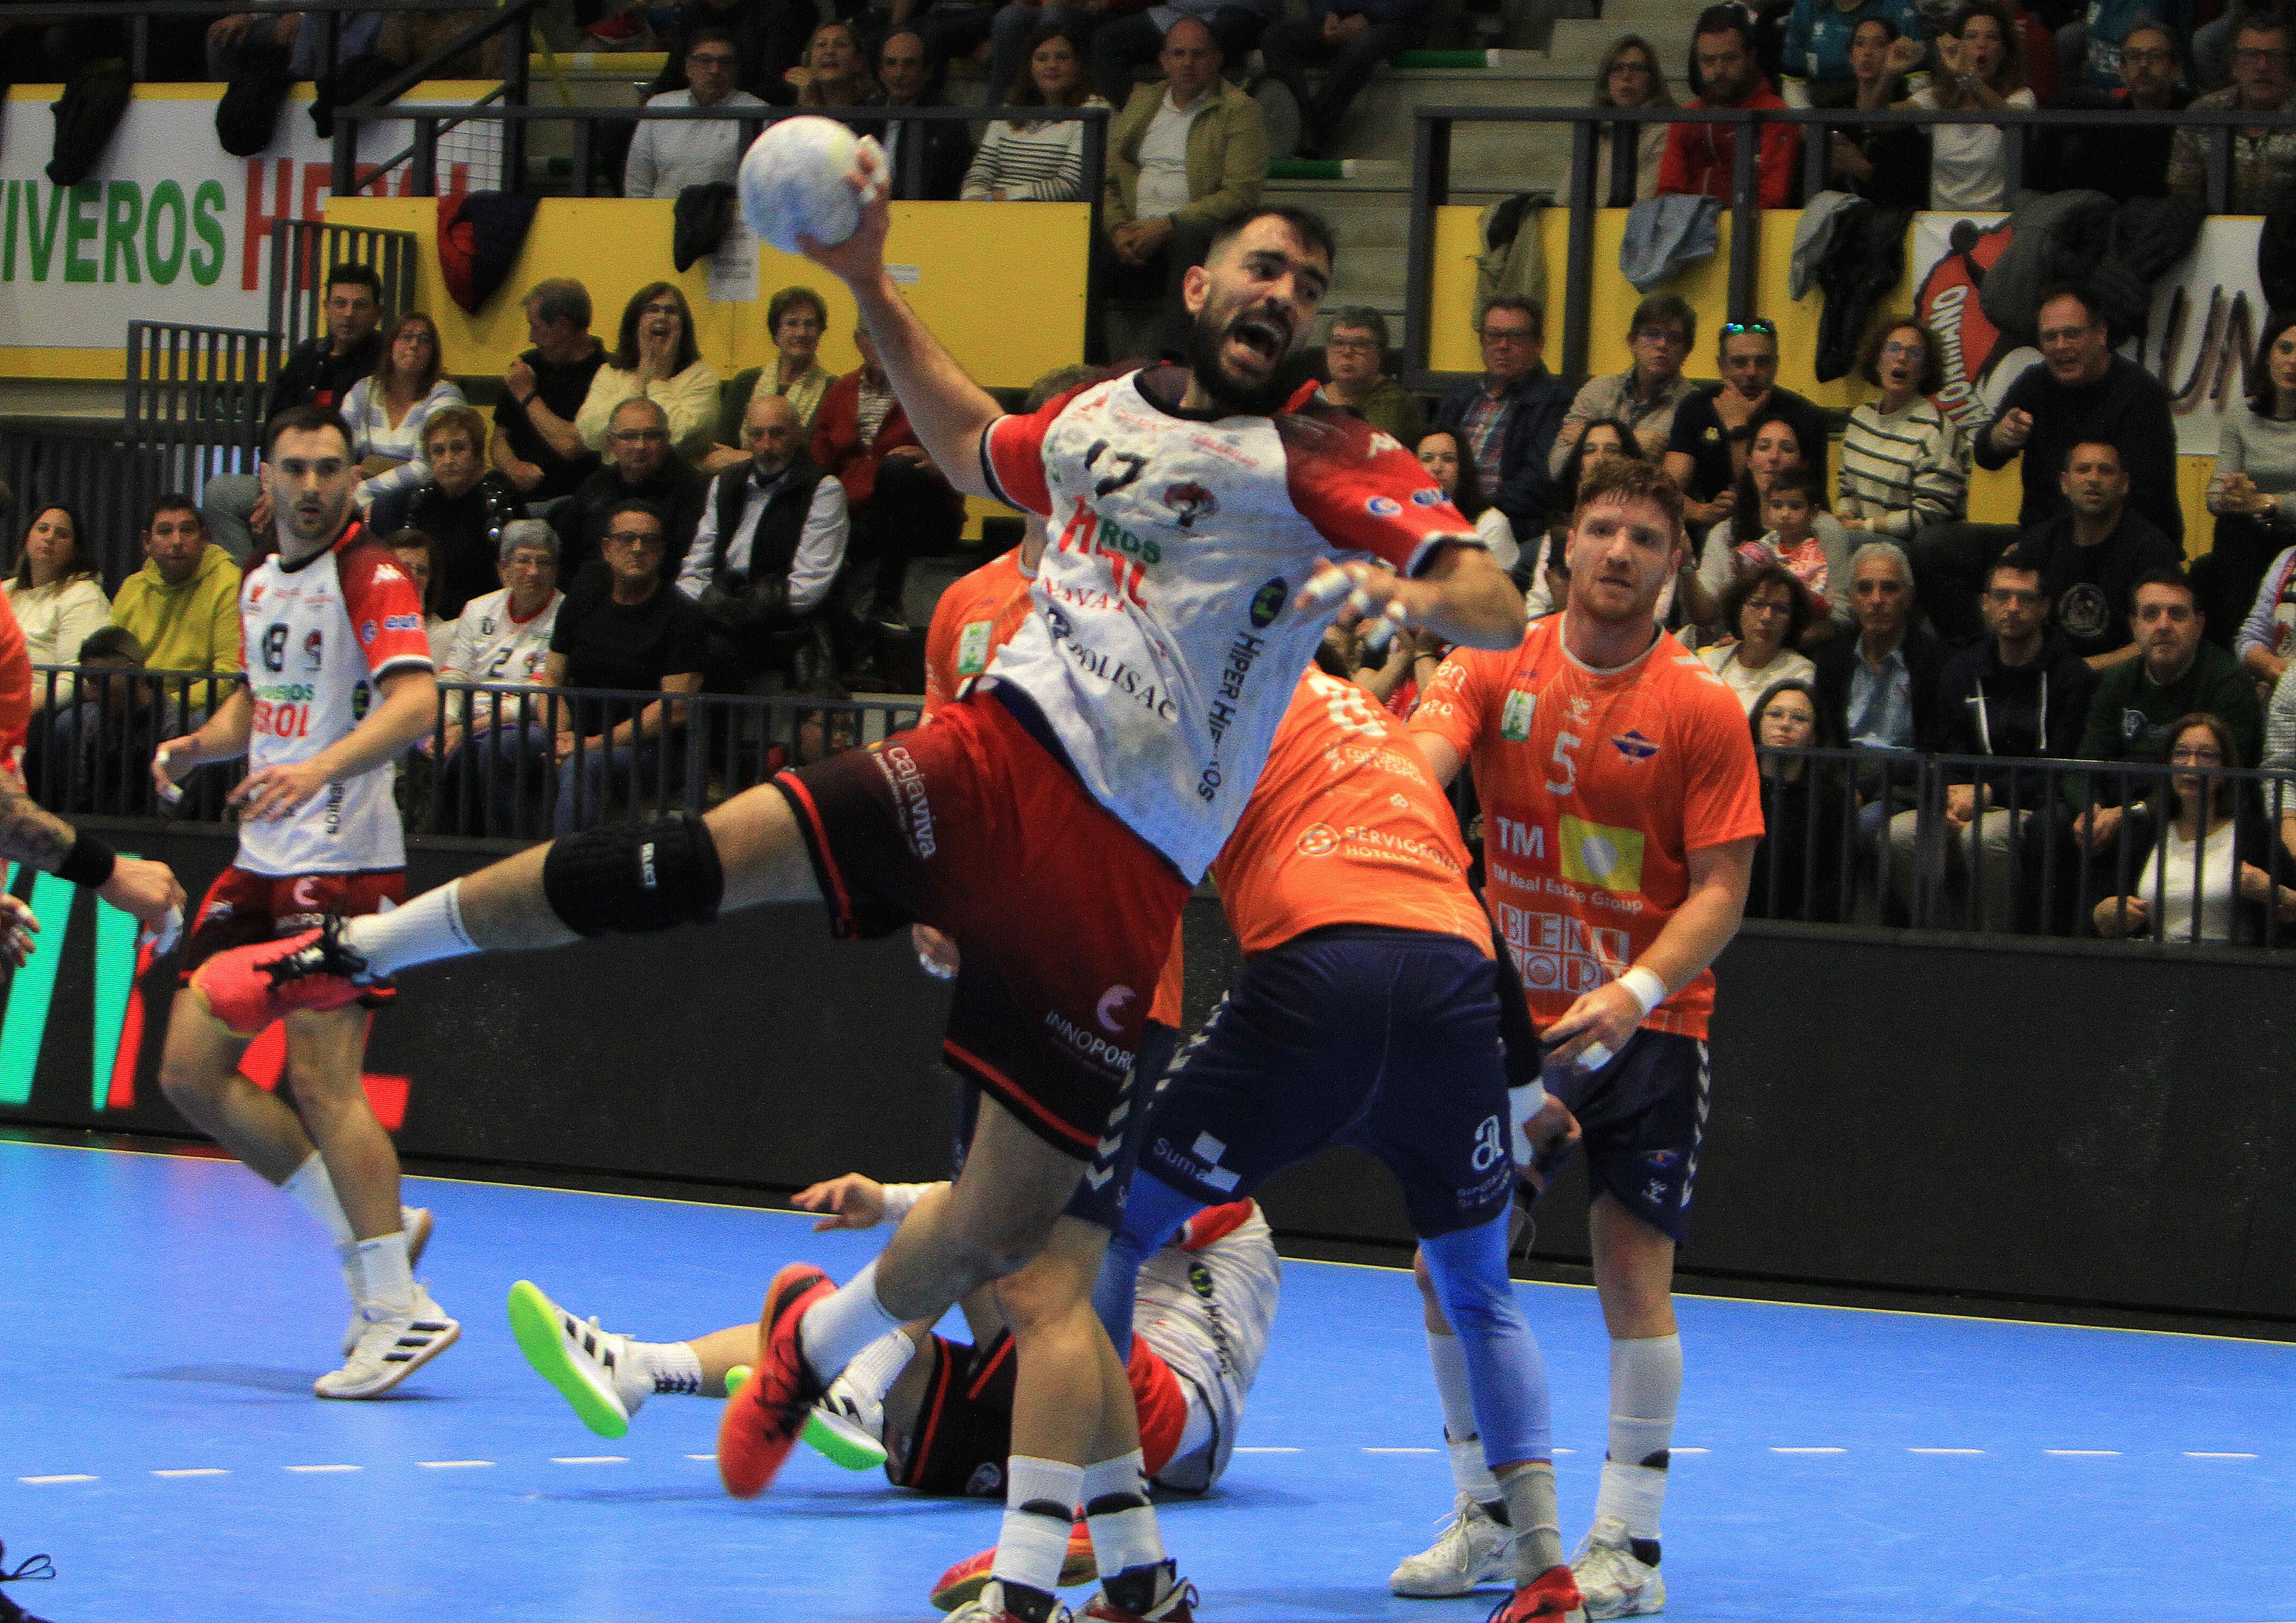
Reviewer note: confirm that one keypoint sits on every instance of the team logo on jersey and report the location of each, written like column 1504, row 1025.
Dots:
column 1382, row 442
column 1112, row 1005
column 1318, row 840
column 1382, row 507
column 1634, row 746
column 973, row 649
column 1191, row 501
column 1515, row 720
column 1429, row 497
column 314, row 651
column 1597, row 854
column 1200, row 1280
column 1268, row 602
column 383, row 572
column 367, row 630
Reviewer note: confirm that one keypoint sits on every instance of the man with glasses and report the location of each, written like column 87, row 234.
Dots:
column 1355, row 368
column 1702, row 159
column 644, row 469
column 1507, row 419
column 1714, row 427
column 1647, row 394
column 2124, row 160
column 2263, row 156
column 665, row 158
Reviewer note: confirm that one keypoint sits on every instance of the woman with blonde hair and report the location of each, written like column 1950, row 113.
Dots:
column 835, row 72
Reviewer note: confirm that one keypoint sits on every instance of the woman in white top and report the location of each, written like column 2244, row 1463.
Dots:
column 1455, row 476
column 386, row 412
column 57, row 598
column 1768, row 610
column 1980, row 64
column 657, row 357
column 1041, row 161
column 2203, row 873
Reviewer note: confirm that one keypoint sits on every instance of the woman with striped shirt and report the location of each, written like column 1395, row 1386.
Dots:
column 1040, row 162
column 1904, row 463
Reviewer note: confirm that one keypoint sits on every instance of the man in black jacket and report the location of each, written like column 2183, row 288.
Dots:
column 765, row 555
column 1506, row 419
column 910, row 80
column 644, row 469
column 2092, row 555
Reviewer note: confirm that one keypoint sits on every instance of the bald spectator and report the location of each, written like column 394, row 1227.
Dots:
column 1122, row 45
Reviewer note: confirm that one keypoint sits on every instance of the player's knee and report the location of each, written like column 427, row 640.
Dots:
column 1425, row 1278
column 630, row 881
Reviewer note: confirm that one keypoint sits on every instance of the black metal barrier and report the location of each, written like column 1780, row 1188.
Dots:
column 2081, row 1123
column 94, row 466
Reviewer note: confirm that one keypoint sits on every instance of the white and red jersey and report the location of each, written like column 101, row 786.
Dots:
column 318, row 639
column 1207, row 1304
column 491, row 644
column 1163, row 647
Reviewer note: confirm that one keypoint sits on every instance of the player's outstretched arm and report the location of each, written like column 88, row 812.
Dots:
column 147, row 891
column 948, row 410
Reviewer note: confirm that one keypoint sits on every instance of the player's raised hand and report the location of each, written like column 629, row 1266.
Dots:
column 860, row 257
column 19, row 924
column 850, row 1202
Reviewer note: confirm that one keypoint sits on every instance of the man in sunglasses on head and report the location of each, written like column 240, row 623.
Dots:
column 1714, row 424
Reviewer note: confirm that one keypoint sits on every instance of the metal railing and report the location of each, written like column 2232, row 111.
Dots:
column 195, row 398
column 94, row 466
column 137, row 15
column 302, row 253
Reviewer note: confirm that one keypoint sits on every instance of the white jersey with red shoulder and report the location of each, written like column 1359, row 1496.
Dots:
column 1207, row 1304
column 1163, row 647
column 318, row 639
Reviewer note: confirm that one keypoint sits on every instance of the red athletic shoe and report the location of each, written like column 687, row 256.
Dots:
column 249, row 987
column 761, row 1425
column 1552, row 1597
column 964, row 1581
column 1178, row 1606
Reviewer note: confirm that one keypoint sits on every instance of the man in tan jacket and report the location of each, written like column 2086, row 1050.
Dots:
column 1184, row 156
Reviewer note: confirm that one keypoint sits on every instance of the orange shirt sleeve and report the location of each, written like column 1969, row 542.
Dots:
column 1456, row 704
column 1722, row 792
column 15, row 689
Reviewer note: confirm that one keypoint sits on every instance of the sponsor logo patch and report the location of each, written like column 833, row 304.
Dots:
column 1515, row 720
column 1268, row 602
column 1382, row 507
column 1597, row 854
column 1429, row 497
column 1634, row 746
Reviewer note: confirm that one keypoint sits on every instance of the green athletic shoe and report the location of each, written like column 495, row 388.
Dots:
column 590, row 1367
column 838, row 1428
column 736, row 1379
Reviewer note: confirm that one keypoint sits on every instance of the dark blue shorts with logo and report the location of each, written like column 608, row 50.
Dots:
column 1642, row 1116
column 1384, row 1039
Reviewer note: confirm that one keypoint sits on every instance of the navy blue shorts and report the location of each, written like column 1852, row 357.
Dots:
column 1384, row 1039
column 1642, row 1118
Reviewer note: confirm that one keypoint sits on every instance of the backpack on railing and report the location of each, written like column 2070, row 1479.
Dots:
column 1514, row 257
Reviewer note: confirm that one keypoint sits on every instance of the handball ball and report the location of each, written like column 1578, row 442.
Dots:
column 793, row 180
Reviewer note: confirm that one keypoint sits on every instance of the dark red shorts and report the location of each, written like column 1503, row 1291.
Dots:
column 1063, row 914
column 243, row 909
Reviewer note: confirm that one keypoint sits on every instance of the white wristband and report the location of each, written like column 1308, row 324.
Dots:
column 901, row 1198
column 1648, row 989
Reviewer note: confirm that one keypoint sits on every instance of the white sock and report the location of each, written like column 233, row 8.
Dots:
column 315, row 1192
column 1469, row 1470
column 387, row 1279
column 1645, row 1391
column 1537, row 1525
column 834, row 1333
column 658, row 1366
column 1124, row 1535
column 421, row 931
column 1041, row 1501
column 879, row 1364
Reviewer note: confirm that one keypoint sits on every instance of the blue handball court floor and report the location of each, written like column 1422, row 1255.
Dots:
column 162, row 1316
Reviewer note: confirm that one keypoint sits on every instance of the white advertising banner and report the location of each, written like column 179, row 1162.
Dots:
column 2199, row 337
column 171, row 227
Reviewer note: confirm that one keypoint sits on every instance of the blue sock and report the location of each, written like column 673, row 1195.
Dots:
column 1154, row 1212
column 1506, row 1374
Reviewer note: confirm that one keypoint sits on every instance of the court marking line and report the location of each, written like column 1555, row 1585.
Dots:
column 1674, row 1451
column 1809, row 1451
column 67, row 1477
column 1263, row 1450
column 590, row 1459
column 2083, row 1453
column 308, row 1470
column 2200, row 1453
column 451, row 1465
column 196, row 1470
column 1945, row 1451
column 1380, row 1267
column 712, row 1457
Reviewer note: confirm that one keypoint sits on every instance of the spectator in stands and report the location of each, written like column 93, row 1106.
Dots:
column 1806, row 808
column 2090, row 47
column 2253, row 497
column 2210, row 56
column 57, row 598
column 1627, row 156
column 1886, row 164
column 317, row 371
column 1767, row 611
column 1123, row 45
column 1904, row 463
column 795, row 318
column 767, row 556
column 2021, row 694
column 2092, row 555
column 901, row 504
column 2124, row 161
column 644, row 469
column 2213, row 870
column 1714, row 426
column 1647, row 394
column 835, row 72
column 668, row 156
column 768, row 35
column 1506, row 422
column 1797, row 534
column 1184, row 156
column 1700, row 159
column 418, row 555
column 656, row 357
column 1041, row 161
column 2263, row 156
column 183, row 606
column 627, row 632
column 1355, row 366
column 1880, row 685
column 1816, row 71
column 909, row 77
column 386, row 411
column 1349, row 39
column 1978, row 64
column 503, row 639
column 1455, row 475
column 462, row 507
column 2280, row 756
column 536, row 446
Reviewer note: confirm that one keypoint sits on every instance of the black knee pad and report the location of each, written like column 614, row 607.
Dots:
column 629, row 881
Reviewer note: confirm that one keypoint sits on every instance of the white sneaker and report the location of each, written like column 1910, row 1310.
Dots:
column 847, row 1428
column 989, row 1607
column 591, row 1368
column 1473, row 1552
column 415, row 1223
column 1615, row 1582
column 391, row 1347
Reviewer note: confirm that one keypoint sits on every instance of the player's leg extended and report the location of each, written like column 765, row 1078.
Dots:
column 606, row 1377
column 1634, row 1275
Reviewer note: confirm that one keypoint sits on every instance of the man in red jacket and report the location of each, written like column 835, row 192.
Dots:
column 1700, row 158
column 900, row 503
